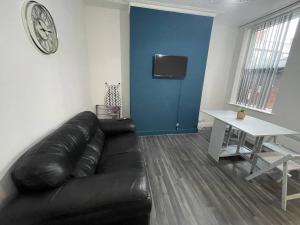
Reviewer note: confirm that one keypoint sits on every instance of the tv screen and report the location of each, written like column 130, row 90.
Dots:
column 170, row 67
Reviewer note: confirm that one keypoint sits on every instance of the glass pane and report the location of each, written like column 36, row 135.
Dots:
column 266, row 59
column 282, row 63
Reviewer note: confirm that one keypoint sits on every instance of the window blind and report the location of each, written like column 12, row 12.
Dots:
column 267, row 54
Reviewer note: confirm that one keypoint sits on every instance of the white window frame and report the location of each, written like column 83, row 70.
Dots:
column 244, row 46
column 246, row 33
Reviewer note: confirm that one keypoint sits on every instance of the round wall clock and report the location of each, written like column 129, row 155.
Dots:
column 40, row 27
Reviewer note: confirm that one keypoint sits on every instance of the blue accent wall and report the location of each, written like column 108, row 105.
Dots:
column 158, row 104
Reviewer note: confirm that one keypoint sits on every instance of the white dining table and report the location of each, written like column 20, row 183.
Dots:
column 257, row 128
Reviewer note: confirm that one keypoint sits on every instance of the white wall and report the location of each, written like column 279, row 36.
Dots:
column 108, row 44
column 38, row 92
column 107, row 27
column 286, row 109
column 218, row 68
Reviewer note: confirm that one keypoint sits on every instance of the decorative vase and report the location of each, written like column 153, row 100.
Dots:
column 241, row 115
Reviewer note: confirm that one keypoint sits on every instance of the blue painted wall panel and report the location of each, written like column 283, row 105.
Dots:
column 158, row 104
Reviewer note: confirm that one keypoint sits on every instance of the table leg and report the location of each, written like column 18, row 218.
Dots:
column 229, row 135
column 284, row 186
column 216, row 139
column 242, row 140
column 256, row 149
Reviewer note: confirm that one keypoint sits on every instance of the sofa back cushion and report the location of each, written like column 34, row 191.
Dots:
column 50, row 163
column 88, row 161
column 87, row 122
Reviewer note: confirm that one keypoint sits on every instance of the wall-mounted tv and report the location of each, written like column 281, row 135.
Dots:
column 169, row 67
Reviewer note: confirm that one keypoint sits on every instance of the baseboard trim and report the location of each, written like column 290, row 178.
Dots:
column 161, row 132
column 203, row 124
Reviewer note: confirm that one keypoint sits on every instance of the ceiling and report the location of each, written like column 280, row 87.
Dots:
column 231, row 12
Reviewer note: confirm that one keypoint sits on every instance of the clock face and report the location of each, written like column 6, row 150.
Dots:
column 41, row 28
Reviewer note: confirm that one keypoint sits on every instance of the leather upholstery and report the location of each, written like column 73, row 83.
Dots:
column 120, row 153
column 117, row 194
column 50, row 162
column 110, row 196
column 88, row 161
column 114, row 127
column 121, row 162
column 86, row 122
column 119, row 144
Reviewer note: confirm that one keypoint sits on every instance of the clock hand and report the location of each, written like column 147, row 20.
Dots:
column 43, row 29
column 48, row 31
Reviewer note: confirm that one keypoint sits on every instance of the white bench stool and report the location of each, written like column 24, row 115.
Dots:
column 283, row 159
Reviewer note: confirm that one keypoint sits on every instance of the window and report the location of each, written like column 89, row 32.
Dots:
column 268, row 50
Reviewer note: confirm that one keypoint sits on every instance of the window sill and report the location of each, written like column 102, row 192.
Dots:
column 253, row 109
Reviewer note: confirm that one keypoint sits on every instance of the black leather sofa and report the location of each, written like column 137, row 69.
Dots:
column 87, row 172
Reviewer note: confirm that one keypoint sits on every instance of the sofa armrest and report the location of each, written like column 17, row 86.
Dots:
column 116, row 126
column 101, row 197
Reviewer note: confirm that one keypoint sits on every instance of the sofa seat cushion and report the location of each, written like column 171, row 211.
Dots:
column 113, row 195
column 120, row 144
column 121, row 162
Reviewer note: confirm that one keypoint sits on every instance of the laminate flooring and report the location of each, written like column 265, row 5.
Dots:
column 189, row 188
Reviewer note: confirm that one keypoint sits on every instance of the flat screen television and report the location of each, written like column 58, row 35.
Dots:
column 169, row 67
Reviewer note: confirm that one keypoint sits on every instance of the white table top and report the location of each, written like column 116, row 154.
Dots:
column 250, row 125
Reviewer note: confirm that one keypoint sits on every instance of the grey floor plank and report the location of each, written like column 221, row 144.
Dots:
column 189, row 188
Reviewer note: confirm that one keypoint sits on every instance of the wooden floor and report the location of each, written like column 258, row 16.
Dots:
column 189, row 188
